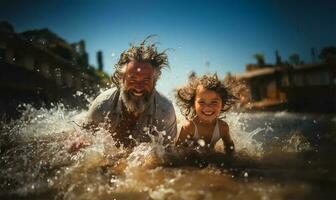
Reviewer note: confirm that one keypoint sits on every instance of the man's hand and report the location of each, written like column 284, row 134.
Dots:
column 74, row 143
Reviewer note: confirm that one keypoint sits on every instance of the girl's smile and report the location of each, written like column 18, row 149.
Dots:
column 208, row 104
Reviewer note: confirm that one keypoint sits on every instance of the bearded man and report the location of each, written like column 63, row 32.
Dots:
column 133, row 110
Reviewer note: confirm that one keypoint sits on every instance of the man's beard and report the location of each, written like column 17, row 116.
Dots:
column 134, row 105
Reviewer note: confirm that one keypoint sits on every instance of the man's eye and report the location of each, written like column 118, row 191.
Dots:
column 147, row 80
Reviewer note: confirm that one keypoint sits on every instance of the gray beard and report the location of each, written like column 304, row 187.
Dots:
column 135, row 106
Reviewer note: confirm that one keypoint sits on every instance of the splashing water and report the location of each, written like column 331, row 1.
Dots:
column 36, row 161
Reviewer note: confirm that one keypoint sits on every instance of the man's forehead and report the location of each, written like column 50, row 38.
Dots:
column 139, row 67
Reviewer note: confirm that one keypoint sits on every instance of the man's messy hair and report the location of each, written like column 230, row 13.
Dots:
column 185, row 96
column 143, row 53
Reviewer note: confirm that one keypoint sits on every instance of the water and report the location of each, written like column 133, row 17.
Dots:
column 279, row 156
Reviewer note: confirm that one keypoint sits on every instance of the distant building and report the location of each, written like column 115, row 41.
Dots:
column 38, row 66
column 264, row 86
column 304, row 88
column 311, row 88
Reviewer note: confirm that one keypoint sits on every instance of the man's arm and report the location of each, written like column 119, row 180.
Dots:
column 85, row 123
column 99, row 109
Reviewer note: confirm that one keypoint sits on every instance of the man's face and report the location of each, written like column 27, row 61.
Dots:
column 138, row 85
column 139, row 79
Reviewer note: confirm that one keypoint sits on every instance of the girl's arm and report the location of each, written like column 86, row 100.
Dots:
column 225, row 134
column 186, row 133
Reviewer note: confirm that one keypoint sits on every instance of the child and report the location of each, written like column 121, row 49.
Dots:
column 201, row 102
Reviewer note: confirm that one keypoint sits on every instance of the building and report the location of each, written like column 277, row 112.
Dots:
column 39, row 67
column 302, row 88
column 310, row 88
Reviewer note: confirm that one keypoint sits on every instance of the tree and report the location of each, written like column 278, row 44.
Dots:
column 294, row 59
column 260, row 58
column 328, row 54
column 278, row 60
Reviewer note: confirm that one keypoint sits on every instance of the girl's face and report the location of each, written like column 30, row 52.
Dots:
column 208, row 104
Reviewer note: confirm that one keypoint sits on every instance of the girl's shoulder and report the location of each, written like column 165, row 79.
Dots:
column 189, row 126
column 223, row 126
column 187, row 132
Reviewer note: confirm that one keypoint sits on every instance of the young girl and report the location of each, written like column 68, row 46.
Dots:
column 201, row 101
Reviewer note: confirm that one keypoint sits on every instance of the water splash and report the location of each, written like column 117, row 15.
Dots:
column 296, row 143
column 36, row 160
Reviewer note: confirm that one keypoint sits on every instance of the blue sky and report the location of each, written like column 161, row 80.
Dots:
column 207, row 36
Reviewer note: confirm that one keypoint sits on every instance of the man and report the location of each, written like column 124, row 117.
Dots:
column 133, row 110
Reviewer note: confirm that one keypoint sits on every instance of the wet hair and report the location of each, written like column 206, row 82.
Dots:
column 143, row 53
column 185, row 96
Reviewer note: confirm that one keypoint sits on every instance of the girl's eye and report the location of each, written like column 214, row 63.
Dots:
column 214, row 102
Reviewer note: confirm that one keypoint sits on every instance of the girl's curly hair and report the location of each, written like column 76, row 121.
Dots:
column 185, row 96
column 143, row 53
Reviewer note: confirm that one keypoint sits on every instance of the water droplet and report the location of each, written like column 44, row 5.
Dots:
column 50, row 182
column 78, row 93
column 201, row 142
column 113, row 180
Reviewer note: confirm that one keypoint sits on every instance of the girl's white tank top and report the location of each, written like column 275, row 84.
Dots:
column 215, row 135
